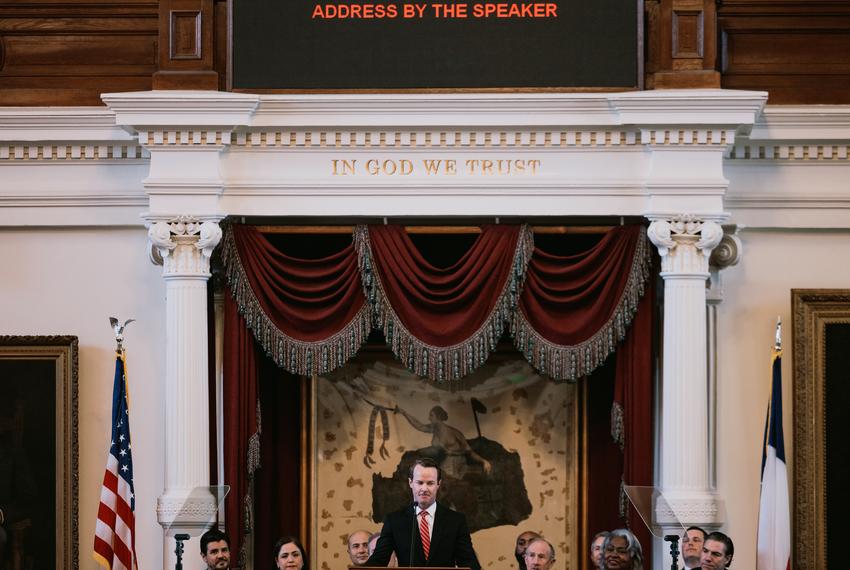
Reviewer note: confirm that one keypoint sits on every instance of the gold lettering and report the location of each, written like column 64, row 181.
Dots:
column 343, row 167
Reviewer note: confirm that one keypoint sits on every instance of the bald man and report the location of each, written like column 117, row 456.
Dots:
column 358, row 547
column 539, row 555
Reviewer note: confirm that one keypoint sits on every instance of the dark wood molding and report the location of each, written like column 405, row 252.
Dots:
column 68, row 52
column 682, row 44
column 795, row 49
column 186, row 45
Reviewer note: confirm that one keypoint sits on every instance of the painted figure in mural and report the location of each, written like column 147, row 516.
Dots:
column 358, row 547
column 522, row 542
column 622, row 551
column 596, row 551
column 449, row 440
column 539, row 555
column 215, row 550
column 289, row 554
column 425, row 532
column 692, row 542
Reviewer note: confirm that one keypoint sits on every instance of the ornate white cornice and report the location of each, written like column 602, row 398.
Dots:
column 73, row 124
column 181, row 108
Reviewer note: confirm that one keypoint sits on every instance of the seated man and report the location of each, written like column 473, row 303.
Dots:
column 522, row 542
column 717, row 552
column 692, row 542
column 358, row 547
column 596, row 549
column 215, row 550
column 539, row 555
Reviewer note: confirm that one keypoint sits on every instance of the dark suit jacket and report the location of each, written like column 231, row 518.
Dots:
column 451, row 544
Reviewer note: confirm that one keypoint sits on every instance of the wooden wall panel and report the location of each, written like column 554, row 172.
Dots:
column 68, row 52
column 681, row 44
column 798, row 51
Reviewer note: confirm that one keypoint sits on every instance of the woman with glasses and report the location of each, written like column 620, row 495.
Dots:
column 621, row 551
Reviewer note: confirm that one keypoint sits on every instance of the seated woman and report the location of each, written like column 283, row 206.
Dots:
column 289, row 554
column 621, row 551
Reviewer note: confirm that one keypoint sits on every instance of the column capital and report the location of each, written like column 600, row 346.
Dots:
column 685, row 243
column 183, row 245
column 727, row 253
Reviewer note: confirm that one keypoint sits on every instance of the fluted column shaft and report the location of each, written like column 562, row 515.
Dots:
column 685, row 244
column 183, row 246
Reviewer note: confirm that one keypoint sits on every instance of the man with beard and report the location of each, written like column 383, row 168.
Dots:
column 717, row 552
column 215, row 550
column 539, row 555
column 692, row 542
column 425, row 533
column 522, row 542
column 358, row 547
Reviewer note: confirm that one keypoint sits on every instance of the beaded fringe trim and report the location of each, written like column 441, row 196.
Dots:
column 618, row 429
column 436, row 362
column 571, row 362
column 293, row 355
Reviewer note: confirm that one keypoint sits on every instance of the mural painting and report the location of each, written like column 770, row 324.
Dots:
column 506, row 443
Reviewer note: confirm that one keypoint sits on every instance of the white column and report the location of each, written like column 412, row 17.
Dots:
column 685, row 244
column 183, row 246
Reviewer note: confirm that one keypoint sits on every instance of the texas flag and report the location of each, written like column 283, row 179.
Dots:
column 774, row 538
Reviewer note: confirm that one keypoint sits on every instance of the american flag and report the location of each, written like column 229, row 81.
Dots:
column 115, row 532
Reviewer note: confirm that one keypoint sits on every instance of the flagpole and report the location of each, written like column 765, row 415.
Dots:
column 777, row 345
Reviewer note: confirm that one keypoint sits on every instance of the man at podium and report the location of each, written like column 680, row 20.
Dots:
column 425, row 533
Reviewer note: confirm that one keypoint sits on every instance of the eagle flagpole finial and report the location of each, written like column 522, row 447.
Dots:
column 119, row 332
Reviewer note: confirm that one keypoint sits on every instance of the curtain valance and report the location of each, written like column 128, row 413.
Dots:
column 566, row 313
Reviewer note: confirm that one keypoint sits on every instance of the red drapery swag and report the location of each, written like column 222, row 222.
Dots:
column 567, row 314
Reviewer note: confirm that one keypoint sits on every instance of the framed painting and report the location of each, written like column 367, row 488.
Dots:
column 38, row 451
column 507, row 442
column 821, row 332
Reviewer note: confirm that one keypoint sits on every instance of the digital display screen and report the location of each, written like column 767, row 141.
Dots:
column 434, row 44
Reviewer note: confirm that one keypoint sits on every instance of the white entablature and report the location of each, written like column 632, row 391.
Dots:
column 649, row 153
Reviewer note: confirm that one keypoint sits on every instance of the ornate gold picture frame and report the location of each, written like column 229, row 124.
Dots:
column 813, row 310
column 38, row 450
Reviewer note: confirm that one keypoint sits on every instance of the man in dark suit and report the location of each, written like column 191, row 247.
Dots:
column 425, row 533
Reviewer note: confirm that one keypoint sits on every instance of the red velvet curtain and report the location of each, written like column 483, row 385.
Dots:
column 310, row 315
column 241, row 425
column 442, row 322
column 633, row 395
column 575, row 309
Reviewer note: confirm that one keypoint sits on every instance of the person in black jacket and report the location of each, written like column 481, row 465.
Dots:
column 439, row 537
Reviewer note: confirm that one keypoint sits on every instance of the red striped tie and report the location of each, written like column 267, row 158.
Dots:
column 424, row 533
